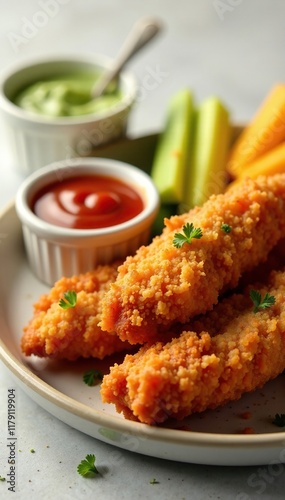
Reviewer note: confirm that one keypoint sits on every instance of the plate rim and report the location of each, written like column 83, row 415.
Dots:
column 67, row 403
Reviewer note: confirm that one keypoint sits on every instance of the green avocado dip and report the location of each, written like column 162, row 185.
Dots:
column 66, row 95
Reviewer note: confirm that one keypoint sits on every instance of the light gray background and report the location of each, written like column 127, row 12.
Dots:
column 231, row 48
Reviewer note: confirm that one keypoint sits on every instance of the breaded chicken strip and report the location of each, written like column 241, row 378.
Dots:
column 72, row 333
column 162, row 284
column 228, row 352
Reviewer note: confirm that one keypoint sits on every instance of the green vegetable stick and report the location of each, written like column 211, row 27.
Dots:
column 207, row 171
column 172, row 152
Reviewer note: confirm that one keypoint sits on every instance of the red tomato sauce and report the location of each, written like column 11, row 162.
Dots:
column 87, row 202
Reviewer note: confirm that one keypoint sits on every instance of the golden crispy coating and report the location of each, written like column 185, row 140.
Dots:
column 162, row 284
column 72, row 333
column 229, row 351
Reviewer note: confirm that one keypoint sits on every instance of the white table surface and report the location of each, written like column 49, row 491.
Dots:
column 231, row 48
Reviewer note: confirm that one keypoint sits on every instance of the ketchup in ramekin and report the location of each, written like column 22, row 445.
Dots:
column 80, row 213
column 87, row 202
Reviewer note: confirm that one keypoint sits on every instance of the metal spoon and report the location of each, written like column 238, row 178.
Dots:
column 142, row 32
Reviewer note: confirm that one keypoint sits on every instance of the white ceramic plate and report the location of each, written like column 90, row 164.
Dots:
column 214, row 437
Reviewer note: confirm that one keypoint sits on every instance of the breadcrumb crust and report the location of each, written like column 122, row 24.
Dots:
column 162, row 284
column 217, row 358
column 73, row 333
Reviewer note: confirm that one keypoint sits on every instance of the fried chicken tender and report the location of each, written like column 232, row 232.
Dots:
column 162, row 284
column 72, row 333
column 217, row 358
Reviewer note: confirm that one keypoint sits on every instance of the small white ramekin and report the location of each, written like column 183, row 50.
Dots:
column 53, row 251
column 35, row 140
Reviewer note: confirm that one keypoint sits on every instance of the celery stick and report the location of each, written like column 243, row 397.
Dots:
column 172, row 152
column 207, row 169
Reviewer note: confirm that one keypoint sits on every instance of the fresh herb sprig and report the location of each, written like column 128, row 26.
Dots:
column 69, row 301
column 91, row 377
column 259, row 303
column 87, row 467
column 189, row 232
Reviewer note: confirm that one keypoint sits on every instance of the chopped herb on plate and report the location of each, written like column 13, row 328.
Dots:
column 279, row 420
column 92, row 377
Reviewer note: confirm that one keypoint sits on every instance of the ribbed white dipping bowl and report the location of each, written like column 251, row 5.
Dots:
column 53, row 251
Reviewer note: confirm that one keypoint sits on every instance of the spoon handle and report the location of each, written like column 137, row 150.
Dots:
column 142, row 32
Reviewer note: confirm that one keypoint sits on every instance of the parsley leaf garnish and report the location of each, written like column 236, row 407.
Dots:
column 92, row 376
column 190, row 232
column 87, row 467
column 259, row 303
column 279, row 420
column 70, row 300
column 226, row 228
